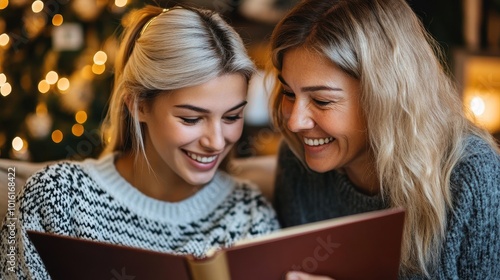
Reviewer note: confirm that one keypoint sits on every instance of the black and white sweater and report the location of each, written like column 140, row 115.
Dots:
column 91, row 200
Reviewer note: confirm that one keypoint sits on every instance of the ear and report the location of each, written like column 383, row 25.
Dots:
column 135, row 108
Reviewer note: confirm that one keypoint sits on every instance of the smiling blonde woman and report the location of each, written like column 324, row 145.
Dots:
column 371, row 121
column 175, row 113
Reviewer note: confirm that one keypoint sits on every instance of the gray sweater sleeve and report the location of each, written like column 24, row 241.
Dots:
column 472, row 246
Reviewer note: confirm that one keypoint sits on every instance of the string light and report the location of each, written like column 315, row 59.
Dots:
column 52, row 77
column 37, row 6
column 4, row 39
column 81, row 117
column 77, row 129
column 4, row 4
column 57, row 20
column 57, row 136
column 63, row 84
column 100, row 58
column 6, row 89
column 3, row 79
column 43, row 86
column 98, row 69
column 120, row 3
column 17, row 143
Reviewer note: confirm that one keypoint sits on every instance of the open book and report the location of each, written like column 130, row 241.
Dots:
column 362, row 246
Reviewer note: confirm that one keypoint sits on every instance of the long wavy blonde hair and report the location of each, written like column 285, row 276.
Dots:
column 161, row 51
column 415, row 119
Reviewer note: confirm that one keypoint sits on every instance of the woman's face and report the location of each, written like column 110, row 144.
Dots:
column 321, row 105
column 191, row 130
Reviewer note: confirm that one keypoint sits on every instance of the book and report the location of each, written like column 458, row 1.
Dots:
column 361, row 246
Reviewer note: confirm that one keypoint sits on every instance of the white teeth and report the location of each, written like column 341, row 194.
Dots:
column 201, row 158
column 317, row 142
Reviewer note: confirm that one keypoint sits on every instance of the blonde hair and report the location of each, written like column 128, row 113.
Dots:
column 161, row 51
column 415, row 119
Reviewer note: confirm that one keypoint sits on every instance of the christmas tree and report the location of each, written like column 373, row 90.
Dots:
column 56, row 62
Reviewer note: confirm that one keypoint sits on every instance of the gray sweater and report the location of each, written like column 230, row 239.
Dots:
column 471, row 249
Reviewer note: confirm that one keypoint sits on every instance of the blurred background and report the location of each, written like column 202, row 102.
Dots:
column 56, row 59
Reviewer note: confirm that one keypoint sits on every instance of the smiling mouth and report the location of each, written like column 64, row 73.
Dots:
column 317, row 141
column 201, row 158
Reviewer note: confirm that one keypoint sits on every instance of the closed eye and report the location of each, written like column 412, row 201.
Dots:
column 288, row 94
column 190, row 120
column 232, row 118
column 322, row 103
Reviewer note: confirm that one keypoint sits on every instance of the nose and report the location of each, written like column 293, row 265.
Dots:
column 300, row 117
column 213, row 138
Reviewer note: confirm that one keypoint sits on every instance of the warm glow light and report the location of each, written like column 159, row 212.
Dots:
column 481, row 93
column 485, row 106
column 57, row 136
column 98, row 69
column 37, row 6
column 87, row 72
column 57, row 20
column 477, row 106
column 17, row 143
column 77, row 130
column 41, row 109
column 6, row 89
column 63, row 84
column 43, row 86
column 81, row 117
column 52, row 77
column 120, row 3
column 4, row 4
column 4, row 39
column 2, row 139
column 3, row 79
column 100, row 58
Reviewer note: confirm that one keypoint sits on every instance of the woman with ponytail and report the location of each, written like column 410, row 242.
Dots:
column 176, row 111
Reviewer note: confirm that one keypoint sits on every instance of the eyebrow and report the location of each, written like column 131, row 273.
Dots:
column 311, row 88
column 206, row 111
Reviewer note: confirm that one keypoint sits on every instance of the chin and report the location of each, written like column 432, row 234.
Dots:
column 200, row 179
column 318, row 166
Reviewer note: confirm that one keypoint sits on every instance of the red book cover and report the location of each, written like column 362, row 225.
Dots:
column 361, row 246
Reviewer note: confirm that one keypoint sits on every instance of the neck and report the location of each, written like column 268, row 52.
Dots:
column 364, row 177
column 155, row 179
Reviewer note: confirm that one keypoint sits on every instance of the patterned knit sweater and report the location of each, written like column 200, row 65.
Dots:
column 91, row 200
column 471, row 249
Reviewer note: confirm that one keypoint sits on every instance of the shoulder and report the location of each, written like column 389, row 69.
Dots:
column 479, row 164
column 475, row 180
column 471, row 243
column 48, row 194
column 69, row 174
column 55, row 175
column 55, row 184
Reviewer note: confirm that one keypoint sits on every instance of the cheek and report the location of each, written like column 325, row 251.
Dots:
column 286, row 108
column 358, row 119
column 233, row 132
